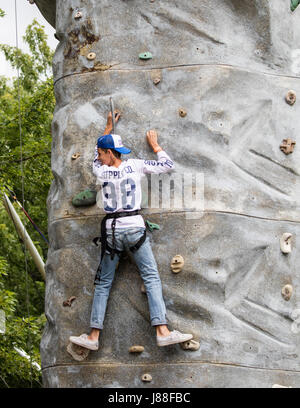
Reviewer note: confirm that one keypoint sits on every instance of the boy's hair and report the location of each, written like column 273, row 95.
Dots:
column 114, row 152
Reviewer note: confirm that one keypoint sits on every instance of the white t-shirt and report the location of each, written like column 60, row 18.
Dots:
column 121, row 186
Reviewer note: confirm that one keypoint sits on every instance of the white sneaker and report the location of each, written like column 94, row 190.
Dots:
column 173, row 338
column 83, row 341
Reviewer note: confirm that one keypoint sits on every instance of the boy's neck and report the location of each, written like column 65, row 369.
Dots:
column 116, row 163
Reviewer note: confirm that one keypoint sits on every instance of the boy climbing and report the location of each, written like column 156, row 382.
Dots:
column 123, row 228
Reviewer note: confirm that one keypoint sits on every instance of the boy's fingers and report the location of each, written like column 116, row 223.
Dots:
column 117, row 115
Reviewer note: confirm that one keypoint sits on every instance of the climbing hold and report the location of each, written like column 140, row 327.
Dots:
column 86, row 197
column 156, row 81
column 136, row 349
column 152, row 226
column 78, row 15
column 77, row 352
column 145, row 55
column 192, row 345
column 91, row 56
column 177, row 264
column 182, row 112
column 285, row 243
column 143, row 289
column 146, row 378
column 294, row 4
column 75, row 156
column 287, row 146
column 286, row 292
column 291, row 97
column 69, row 301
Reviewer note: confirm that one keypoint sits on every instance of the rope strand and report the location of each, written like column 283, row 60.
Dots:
column 23, row 196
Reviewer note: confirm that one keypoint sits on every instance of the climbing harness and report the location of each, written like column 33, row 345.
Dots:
column 103, row 238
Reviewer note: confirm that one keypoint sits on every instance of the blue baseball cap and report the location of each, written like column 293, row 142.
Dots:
column 112, row 142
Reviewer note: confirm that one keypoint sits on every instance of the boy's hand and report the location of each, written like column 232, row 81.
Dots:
column 109, row 123
column 152, row 141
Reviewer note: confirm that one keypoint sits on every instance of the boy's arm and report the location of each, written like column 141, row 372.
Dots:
column 107, row 131
column 109, row 123
column 164, row 162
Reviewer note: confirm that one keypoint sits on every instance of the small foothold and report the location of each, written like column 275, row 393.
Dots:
column 69, row 301
column 75, row 156
column 286, row 292
column 287, row 146
column 77, row 352
column 78, row 15
column 136, row 349
column 182, row 112
column 291, row 97
column 145, row 55
column 85, row 198
column 156, row 81
column 146, row 378
column 177, row 264
column 152, row 225
column 143, row 289
column 285, row 243
column 91, row 56
column 192, row 345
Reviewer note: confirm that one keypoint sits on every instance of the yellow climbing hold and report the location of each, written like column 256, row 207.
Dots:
column 177, row 263
column 136, row 349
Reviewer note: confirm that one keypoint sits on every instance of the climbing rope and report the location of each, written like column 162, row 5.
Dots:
column 23, row 198
column 14, row 197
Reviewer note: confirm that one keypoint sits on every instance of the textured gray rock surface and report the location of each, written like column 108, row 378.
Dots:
column 229, row 66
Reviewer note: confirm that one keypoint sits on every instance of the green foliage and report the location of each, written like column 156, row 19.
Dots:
column 32, row 65
column 21, row 285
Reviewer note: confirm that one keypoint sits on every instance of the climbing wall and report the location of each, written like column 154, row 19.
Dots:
column 229, row 65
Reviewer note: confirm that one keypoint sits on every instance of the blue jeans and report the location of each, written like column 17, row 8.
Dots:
column 125, row 238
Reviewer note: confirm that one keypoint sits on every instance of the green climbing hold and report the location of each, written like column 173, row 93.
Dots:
column 152, row 226
column 147, row 55
column 294, row 4
column 85, row 198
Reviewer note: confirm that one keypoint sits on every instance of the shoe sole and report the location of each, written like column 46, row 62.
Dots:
column 168, row 343
column 77, row 342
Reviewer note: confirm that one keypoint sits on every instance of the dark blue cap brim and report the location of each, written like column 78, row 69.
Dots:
column 123, row 150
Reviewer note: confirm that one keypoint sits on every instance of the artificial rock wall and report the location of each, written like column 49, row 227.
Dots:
column 229, row 65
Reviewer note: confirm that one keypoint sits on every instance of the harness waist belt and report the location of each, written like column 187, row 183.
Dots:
column 113, row 224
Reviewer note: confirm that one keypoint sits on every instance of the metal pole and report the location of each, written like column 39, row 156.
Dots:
column 24, row 235
column 112, row 111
